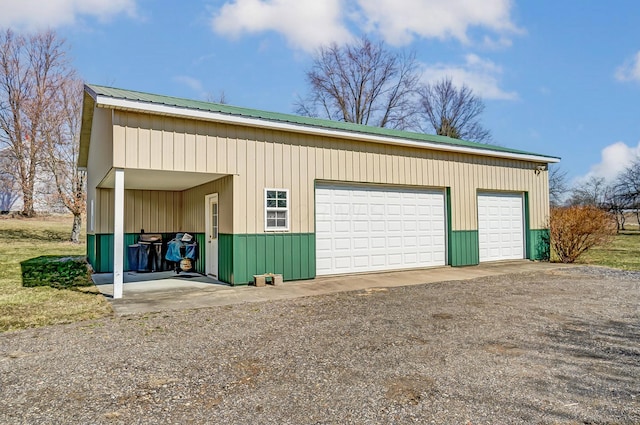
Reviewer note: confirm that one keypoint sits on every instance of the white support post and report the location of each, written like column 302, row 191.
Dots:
column 118, row 235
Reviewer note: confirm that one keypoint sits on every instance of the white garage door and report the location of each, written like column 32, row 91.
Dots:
column 365, row 228
column 500, row 226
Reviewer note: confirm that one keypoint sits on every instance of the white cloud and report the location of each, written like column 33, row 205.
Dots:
column 630, row 70
column 499, row 43
column 306, row 24
column 613, row 159
column 399, row 21
column 193, row 83
column 481, row 75
column 38, row 14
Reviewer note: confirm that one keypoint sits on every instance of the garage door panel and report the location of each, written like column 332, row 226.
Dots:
column 342, row 244
column 394, row 242
column 360, row 243
column 500, row 226
column 360, row 226
column 377, row 226
column 387, row 228
column 411, row 258
column 409, row 226
column 395, row 259
column 377, row 243
column 394, row 226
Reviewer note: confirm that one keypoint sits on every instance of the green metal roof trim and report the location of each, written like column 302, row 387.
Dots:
column 293, row 119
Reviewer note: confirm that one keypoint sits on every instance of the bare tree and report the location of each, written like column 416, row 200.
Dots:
column 628, row 183
column 221, row 98
column 598, row 193
column 61, row 133
column 362, row 83
column 31, row 71
column 616, row 202
column 590, row 192
column 9, row 191
column 451, row 111
column 557, row 185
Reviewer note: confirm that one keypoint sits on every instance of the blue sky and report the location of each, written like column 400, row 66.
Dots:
column 560, row 78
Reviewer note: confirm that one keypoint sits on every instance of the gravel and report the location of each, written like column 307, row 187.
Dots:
column 552, row 347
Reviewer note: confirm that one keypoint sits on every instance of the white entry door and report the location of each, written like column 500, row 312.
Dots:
column 361, row 228
column 500, row 226
column 211, row 202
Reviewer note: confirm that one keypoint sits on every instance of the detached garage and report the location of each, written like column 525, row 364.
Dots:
column 264, row 192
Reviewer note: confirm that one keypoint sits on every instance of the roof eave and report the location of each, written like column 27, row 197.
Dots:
column 88, row 105
column 170, row 110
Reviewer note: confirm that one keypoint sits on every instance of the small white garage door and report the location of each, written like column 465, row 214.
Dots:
column 500, row 226
column 366, row 228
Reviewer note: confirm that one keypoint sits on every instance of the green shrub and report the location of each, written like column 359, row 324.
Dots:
column 56, row 271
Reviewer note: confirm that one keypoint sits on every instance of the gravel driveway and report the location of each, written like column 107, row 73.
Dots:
column 552, row 347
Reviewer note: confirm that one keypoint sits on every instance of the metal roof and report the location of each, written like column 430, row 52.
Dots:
column 153, row 99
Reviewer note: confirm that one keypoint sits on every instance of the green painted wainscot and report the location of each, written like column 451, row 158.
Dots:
column 293, row 255
column 100, row 250
column 538, row 245
column 464, row 248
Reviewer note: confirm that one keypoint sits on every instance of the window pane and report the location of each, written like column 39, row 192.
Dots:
column 276, row 209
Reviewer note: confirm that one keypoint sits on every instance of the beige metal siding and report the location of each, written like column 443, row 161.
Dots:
column 164, row 211
column 152, row 210
column 262, row 158
column 161, row 143
column 99, row 159
column 194, row 205
column 101, row 146
column 104, row 211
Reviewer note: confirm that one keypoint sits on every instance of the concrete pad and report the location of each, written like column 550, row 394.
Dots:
column 161, row 292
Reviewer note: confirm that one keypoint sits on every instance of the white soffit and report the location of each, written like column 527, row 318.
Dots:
column 159, row 179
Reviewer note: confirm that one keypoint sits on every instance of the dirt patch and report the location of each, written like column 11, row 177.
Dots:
column 410, row 389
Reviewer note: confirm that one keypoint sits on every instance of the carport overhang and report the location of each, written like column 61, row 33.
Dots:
column 120, row 179
column 158, row 179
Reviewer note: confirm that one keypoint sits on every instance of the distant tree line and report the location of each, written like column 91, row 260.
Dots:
column 619, row 197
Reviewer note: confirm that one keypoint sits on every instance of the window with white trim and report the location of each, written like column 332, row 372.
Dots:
column 276, row 209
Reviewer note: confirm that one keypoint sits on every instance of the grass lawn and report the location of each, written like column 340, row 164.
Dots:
column 622, row 253
column 22, row 239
